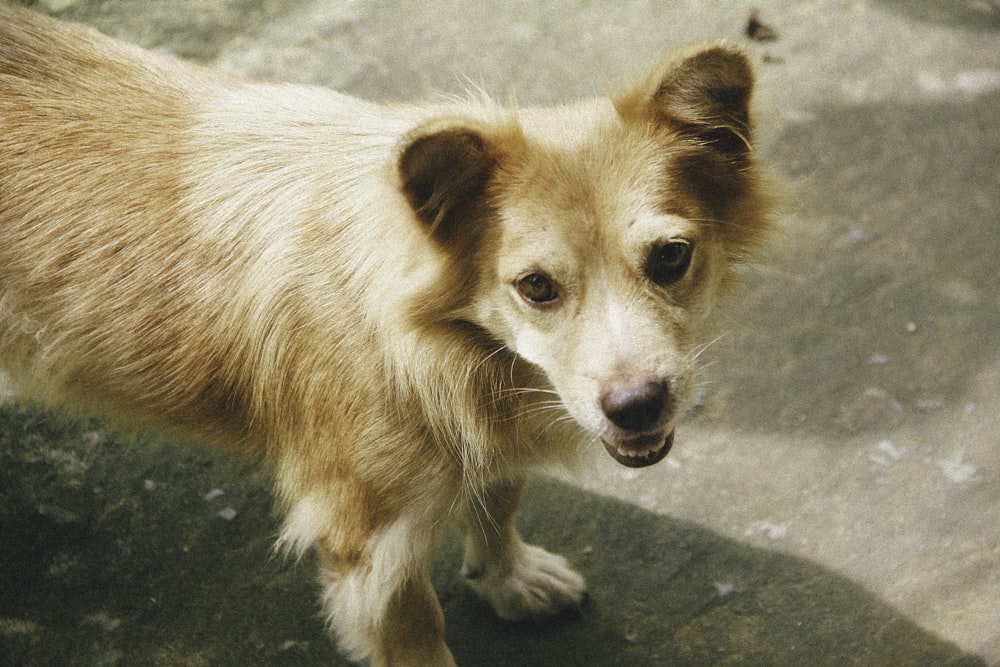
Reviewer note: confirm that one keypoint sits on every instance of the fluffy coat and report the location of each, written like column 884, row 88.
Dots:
column 403, row 309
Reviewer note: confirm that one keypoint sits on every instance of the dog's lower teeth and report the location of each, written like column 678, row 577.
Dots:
column 636, row 455
column 640, row 452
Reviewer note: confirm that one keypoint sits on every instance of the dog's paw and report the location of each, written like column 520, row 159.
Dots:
column 535, row 584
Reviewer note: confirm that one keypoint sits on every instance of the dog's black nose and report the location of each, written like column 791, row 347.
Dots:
column 634, row 404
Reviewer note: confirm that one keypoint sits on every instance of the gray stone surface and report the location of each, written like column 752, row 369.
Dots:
column 833, row 499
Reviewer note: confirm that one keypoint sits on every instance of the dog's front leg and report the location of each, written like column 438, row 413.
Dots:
column 412, row 632
column 520, row 581
column 383, row 606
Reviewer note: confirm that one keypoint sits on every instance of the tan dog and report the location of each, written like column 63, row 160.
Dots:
column 403, row 309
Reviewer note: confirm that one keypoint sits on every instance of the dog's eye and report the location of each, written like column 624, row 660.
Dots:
column 537, row 288
column 668, row 262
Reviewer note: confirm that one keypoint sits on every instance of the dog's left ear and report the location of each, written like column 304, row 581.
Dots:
column 444, row 174
column 704, row 93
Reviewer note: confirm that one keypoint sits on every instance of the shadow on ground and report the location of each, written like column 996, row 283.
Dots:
column 159, row 554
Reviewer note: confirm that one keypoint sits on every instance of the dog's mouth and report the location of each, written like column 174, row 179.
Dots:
column 642, row 451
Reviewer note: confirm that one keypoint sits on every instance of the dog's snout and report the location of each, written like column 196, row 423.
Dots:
column 634, row 404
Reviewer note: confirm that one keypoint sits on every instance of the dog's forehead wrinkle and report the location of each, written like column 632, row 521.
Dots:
column 567, row 126
column 586, row 150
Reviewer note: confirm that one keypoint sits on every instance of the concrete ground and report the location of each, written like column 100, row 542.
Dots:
column 833, row 499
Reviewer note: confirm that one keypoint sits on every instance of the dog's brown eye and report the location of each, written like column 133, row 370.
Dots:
column 537, row 289
column 668, row 262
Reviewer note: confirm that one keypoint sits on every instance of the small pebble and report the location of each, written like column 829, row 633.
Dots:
column 861, row 236
column 228, row 514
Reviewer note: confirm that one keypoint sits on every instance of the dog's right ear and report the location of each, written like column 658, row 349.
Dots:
column 445, row 173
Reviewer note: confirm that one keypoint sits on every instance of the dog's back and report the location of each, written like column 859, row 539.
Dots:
column 152, row 216
column 85, row 160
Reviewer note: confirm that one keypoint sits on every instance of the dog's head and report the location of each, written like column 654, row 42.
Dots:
column 594, row 239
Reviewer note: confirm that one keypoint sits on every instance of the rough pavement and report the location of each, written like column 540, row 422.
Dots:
column 833, row 499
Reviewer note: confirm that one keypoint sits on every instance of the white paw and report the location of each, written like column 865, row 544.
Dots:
column 535, row 584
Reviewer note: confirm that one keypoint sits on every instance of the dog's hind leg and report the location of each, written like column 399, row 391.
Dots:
column 520, row 581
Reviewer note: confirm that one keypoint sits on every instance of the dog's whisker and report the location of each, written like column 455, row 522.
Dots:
column 699, row 350
column 532, row 410
column 558, row 422
column 482, row 362
column 530, row 390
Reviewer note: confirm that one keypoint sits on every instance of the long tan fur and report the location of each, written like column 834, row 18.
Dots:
column 399, row 308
